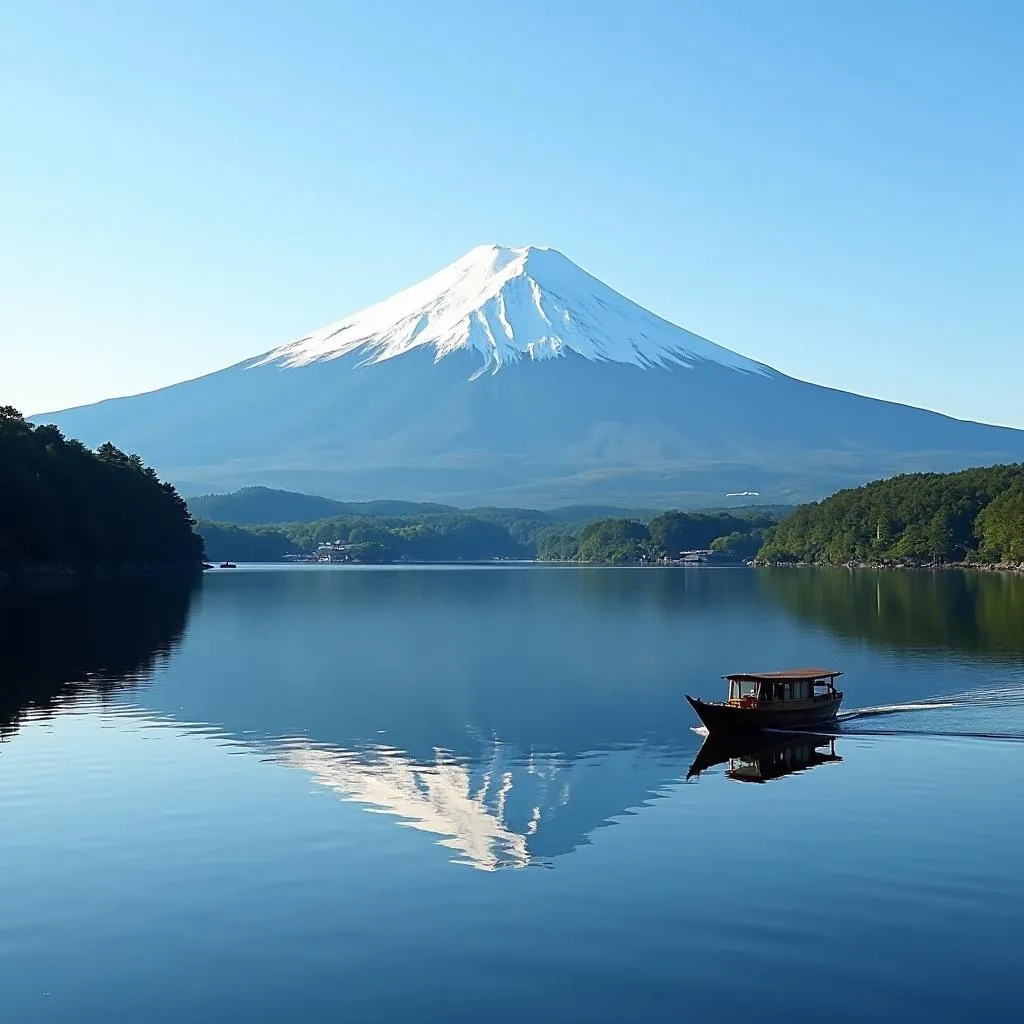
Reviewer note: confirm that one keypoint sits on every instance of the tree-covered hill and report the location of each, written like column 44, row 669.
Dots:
column 976, row 514
column 494, row 533
column 459, row 536
column 66, row 506
column 260, row 523
column 624, row 541
column 227, row 542
column 262, row 506
column 267, row 506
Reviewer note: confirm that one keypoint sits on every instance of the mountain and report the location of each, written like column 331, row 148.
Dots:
column 262, row 506
column 256, row 506
column 514, row 377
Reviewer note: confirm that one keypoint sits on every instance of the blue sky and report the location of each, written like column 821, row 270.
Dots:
column 836, row 189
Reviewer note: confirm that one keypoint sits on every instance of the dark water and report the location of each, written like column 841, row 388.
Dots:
column 186, row 776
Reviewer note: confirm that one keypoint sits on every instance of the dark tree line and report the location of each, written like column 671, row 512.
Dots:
column 225, row 541
column 976, row 514
column 64, row 505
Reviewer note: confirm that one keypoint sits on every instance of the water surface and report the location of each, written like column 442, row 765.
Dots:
column 187, row 776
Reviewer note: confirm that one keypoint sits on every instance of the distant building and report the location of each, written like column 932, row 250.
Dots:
column 697, row 555
column 333, row 552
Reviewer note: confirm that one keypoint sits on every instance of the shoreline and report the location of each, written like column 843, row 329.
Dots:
column 1013, row 568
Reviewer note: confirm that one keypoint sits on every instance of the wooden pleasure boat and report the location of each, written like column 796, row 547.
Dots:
column 800, row 698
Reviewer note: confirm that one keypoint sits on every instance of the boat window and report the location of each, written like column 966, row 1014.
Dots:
column 748, row 689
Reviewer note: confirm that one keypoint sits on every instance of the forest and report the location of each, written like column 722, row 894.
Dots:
column 495, row 533
column 976, row 515
column 226, row 541
column 68, row 508
column 730, row 535
column 420, row 538
column 265, row 524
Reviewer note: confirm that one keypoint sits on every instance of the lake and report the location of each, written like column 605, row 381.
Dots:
column 460, row 794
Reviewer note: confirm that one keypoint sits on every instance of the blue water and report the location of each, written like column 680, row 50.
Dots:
column 460, row 794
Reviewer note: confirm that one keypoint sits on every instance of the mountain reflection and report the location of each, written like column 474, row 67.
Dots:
column 501, row 810
column 764, row 758
column 85, row 637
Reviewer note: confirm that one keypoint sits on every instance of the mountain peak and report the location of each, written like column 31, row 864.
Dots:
column 509, row 304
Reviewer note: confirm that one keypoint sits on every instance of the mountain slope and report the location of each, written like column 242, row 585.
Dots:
column 255, row 506
column 515, row 378
column 506, row 305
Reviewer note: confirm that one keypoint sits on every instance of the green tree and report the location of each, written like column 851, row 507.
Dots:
column 64, row 505
column 612, row 539
column 1000, row 527
column 914, row 517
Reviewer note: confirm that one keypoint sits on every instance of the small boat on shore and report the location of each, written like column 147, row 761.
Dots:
column 799, row 698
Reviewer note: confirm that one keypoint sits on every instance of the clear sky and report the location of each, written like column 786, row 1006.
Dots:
column 834, row 188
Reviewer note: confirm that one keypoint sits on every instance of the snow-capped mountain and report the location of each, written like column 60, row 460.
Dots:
column 506, row 305
column 515, row 377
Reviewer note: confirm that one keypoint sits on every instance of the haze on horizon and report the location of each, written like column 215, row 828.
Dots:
column 835, row 193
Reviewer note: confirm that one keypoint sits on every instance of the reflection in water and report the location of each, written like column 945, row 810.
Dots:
column 438, row 798
column 501, row 810
column 412, row 692
column 150, row 874
column 982, row 613
column 766, row 757
column 85, row 637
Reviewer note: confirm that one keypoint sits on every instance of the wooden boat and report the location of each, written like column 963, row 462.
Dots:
column 800, row 698
column 762, row 757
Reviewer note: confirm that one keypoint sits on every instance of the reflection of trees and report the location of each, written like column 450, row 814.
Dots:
column 85, row 638
column 968, row 611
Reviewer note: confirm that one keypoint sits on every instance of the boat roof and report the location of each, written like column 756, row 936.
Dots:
column 789, row 675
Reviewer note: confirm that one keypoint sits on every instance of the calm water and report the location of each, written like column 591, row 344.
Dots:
column 461, row 794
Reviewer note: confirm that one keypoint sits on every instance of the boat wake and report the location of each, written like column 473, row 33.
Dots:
column 971, row 702
column 894, row 709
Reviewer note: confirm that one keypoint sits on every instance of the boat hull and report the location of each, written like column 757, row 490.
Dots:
column 729, row 718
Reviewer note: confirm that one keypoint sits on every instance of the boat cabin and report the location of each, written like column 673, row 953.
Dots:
column 796, row 686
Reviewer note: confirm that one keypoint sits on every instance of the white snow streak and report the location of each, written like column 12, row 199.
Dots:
column 510, row 304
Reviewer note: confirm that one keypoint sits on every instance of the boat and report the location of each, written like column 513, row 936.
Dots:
column 763, row 757
column 228, row 565
column 799, row 698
